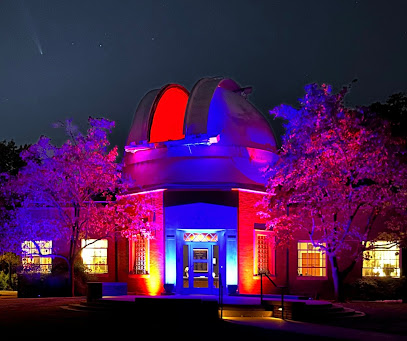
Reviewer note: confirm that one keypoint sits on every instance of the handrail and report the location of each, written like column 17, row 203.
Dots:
column 261, row 292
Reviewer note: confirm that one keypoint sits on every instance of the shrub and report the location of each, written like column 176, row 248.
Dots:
column 376, row 288
column 5, row 281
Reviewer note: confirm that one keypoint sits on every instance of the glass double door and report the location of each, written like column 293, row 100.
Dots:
column 200, row 268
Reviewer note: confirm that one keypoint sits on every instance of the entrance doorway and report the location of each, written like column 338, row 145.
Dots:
column 202, row 264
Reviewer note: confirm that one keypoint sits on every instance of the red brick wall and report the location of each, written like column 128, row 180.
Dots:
column 247, row 216
column 151, row 284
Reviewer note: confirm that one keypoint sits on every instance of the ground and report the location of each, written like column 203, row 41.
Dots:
column 381, row 316
column 40, row 316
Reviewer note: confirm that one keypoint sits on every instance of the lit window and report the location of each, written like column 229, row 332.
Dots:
column 33, row 260
column 139, row 256
column 201, row 237
column 311, row 260
column 94, row 255
column 383, row 260
column 264, row 260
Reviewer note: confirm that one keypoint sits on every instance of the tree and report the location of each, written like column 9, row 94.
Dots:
column 395, row 111
column 339, row 169
column 10, row 159
column 68, row 193
column 10, row 163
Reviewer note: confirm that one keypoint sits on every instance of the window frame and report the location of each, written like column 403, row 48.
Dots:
column 30, row 251
column 271, row 253
column 92, row 244
column 323, row 257
column 132, row 256
column 378, row 249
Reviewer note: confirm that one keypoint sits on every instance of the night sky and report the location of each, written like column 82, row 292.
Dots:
column 73, row 59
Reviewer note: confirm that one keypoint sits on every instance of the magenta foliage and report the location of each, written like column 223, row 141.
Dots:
column 68, row 192
column 339, row 169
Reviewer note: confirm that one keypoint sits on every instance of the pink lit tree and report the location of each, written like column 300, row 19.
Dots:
column 339, row 170
column 70, row 192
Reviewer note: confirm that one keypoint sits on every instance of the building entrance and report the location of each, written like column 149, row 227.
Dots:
column 202, row 264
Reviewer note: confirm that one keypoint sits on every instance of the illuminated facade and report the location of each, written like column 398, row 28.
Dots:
column 198, row 156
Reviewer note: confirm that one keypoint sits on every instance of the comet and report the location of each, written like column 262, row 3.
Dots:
column 31, row 27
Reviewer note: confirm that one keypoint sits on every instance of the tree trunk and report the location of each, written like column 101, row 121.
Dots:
column 337, row 279
column 9, row 275
column 72, row 252
column 72, row 277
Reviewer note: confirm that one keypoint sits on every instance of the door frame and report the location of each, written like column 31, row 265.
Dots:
column 180, row 261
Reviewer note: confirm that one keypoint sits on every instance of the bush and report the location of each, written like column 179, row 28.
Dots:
column 5, row 281
column 82, row 277
column 376, row 288
column 42, row 285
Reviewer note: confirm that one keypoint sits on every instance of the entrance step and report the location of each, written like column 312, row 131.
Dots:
column 245, row 311
column 328, row 311
column 99, row 306
column 208, row 308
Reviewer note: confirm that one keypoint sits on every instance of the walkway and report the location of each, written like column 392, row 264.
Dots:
column 281, row 327
column 235, row 300
column 311, row 329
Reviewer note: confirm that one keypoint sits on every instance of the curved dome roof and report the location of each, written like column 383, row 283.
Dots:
column 210, row 137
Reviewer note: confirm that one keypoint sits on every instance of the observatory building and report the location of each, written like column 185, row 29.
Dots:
column 198, row 155
column 196, row 158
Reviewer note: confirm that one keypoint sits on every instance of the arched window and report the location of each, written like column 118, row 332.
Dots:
column 168, row 119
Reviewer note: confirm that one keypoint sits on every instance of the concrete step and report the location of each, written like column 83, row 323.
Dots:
column 317, row 311
column 334, row 311
column 245, row 310
column 111, row 306
column 245, row 313
column 86, row 308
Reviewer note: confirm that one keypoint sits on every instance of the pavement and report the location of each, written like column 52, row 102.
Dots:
column 314, row 330
column 273, row 326
column 23, row 316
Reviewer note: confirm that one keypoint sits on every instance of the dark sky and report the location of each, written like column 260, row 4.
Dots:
column 72, row 59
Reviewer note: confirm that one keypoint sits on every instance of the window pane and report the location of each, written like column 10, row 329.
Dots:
column 215, row 262
column 200, row 267
column 94, row 255
column 382, row 261
column 201, row 237
column 139, row 261
column 262, row 255
column 201, row 282
column 200, row 253
column 185, row 252
column 32, row 261
column 311, row 260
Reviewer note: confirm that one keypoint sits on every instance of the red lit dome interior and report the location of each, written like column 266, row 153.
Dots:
column 168, row 119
